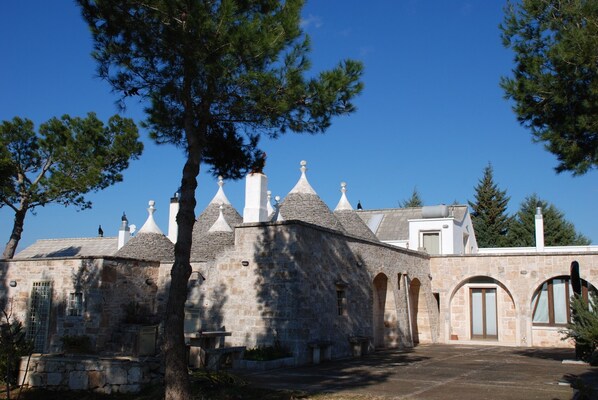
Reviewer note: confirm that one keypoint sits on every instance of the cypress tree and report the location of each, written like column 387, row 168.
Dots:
column 488, row 216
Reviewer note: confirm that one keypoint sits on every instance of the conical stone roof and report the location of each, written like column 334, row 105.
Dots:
column 348, row 217
column 148, row 246
column 209, row 216
column 302, row 203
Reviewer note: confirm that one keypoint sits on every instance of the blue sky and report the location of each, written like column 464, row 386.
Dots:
column 431, row 115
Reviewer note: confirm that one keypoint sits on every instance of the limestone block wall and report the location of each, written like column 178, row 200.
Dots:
column 102, row 375
column 281, row 281
column 519, row 276
column 107, row 287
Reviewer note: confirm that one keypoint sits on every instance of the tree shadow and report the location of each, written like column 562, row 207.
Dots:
column 547, row 353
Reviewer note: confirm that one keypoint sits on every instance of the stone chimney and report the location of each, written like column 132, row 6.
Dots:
column 256, row 198
column 539, row 230
column 173, row 227
column 124, row 233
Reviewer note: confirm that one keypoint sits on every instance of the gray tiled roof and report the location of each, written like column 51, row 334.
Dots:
column 354, row 225
column 208, row 246
column 148, row 246
column 207, row 218
column 308, row 207
column 75, row 247
column 393, row 223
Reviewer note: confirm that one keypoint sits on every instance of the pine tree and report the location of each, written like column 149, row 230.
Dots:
column 555, row 79
column 60, row 163
column 215, row 75
column 489, row 218
column 414, row 201
column 557, row 230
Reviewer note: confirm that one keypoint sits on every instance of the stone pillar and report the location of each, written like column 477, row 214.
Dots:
column 256, row 198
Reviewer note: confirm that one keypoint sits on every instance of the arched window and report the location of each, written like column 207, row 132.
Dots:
column 550, row 303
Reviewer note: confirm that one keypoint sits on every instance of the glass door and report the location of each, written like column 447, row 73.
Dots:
column 483, row 313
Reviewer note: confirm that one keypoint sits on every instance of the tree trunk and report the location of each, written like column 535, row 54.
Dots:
column 177, row 385
column 15, row 236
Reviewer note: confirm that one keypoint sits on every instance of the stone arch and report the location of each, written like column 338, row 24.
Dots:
column 386, row 327
column 461, row 315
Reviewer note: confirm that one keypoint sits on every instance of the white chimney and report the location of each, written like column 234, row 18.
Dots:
column 124, row 233
column 173, row 227
column 539, row 230
column 256, row 198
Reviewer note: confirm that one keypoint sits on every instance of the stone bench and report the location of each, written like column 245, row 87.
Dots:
column 359, row 345
column 215, row 358
column 321, row 350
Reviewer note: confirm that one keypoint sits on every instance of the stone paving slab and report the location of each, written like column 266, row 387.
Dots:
column 441, row 372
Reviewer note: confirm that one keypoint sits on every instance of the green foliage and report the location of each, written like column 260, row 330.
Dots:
column 267, row 353
column 555, row 80
column 13, row 345
column 557, row 230
column 489, row 212
column 79, row 344
column 218, row 74
column 583, row 328
column 414, row 201
column 61, row 162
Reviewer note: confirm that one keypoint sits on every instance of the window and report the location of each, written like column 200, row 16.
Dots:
column 75, row 305
column 430, row 242
column 341, row 301
column 551, row 301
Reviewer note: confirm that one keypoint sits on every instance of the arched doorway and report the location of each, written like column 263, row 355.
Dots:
column 420, row 322
column 386, row 332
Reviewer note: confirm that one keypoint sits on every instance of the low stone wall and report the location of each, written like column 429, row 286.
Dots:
column 99, row 374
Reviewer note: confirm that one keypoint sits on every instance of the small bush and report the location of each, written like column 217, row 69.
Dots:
column 267, row 353
column 583, row 328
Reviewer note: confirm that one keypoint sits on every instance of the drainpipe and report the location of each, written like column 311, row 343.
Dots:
column 406, row 283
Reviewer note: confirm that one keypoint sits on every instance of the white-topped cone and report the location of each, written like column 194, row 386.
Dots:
column 220, row 225
column 343, row 203
column 269, row 204
column 150, row 225
column 220, row 197
column 303, row 185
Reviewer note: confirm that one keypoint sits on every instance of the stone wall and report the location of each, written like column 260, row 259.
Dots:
column 517, row 278
column 103, row 375
column 280, row 283
column 108, row 286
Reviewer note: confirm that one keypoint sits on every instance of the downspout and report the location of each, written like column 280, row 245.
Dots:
column 406, row 283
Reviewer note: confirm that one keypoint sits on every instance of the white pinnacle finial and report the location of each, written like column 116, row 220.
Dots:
column 277, row 215
column 343, row 203
column 150, row 225
column 220, row 197
column 303, row 185
column 220, row 225
column 269, row 207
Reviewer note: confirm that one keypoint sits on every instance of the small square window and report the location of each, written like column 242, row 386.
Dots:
column 75, row 305
column 341, row 301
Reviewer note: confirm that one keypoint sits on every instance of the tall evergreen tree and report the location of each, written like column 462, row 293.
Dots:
column 557, row 230
column 414, row 201
column 555, row 80
column 489, row 211
column 216, row 75
column 64, row 160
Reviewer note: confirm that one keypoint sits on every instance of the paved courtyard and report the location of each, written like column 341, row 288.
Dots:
column 442, row 372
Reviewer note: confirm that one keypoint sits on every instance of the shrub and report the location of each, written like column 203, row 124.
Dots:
column 267, row 353
column 13, row 345
column 583, row 328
